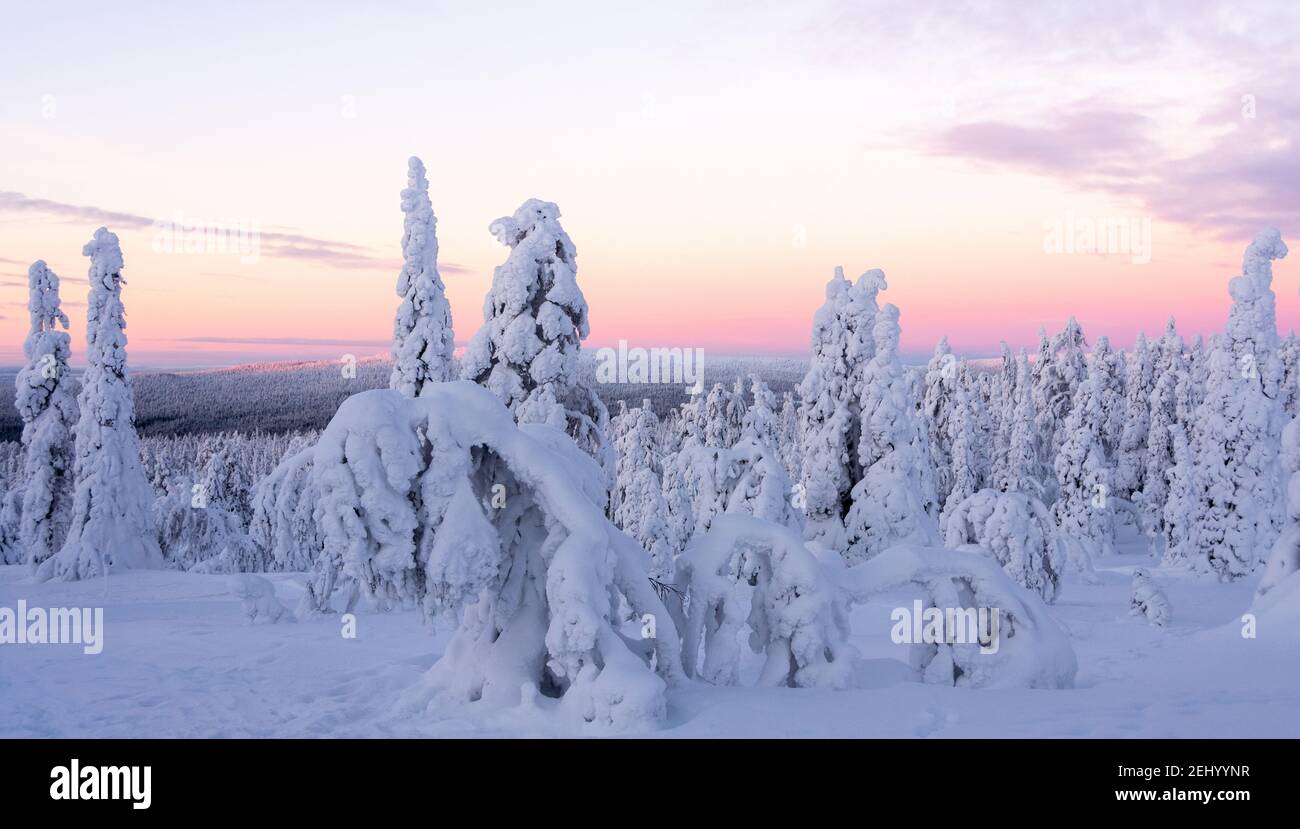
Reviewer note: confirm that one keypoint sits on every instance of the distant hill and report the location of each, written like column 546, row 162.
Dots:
column 280, row 397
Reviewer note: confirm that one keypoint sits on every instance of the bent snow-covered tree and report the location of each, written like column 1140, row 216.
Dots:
column 534, row 321
column 112, row 520
column 1016, row 530
column 422, row 332
column 797, row 616
column 444, row 501
column 48, row 410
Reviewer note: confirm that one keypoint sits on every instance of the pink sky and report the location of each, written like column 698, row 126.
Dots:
column 713, row 164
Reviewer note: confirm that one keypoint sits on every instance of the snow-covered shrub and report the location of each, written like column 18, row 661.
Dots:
column 259, row 601
column 112, row 520
column 1147, row 600
column 1016, row 530
column 445, row 502
column 797, row 616
column 45, row 403
column 1031, row 649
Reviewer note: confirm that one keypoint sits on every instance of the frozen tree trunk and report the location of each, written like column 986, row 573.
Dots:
column 112, row 520
column 422, row 331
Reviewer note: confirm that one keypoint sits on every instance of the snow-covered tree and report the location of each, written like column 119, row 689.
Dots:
column 841, row 348
column 1289, row 353
column 112, row 520
column 1130, row 460
column 422, row 331
column 789, row 440
column 1058, row 372
column 283, row 529
column 640, row 508
column 1169, row 404
column 1020, row 470
column 1178, row 515
column 535, row 318
column 963, row 443
column 718, row 433
column 890, row 502
column 1107, row 368
column 1083, row 510
column 760, row 422
column 1284, row 558
column 797, row 614
column 1016, row 530
column 532, row 573
column 48, row 409
column 937, row 403
column 1238, row 427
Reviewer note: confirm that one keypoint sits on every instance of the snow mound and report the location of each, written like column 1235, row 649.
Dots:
column 258, row 596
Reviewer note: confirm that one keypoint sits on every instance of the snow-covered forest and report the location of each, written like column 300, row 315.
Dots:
column 578, row 566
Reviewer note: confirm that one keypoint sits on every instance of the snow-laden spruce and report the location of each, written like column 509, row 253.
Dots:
column 938, row 400
column 1238, row 426
column 1084, row 510
column 112, row 523
column 443, row 501
column 1019, row 469
column 639, row 506
column 1168, row 404
column 1015, row 530
column 842, row 345
column 964, row 441
column 534, row 321
column 892, row 502
column 45, row 402
column 422, row 331
column 1130, row 458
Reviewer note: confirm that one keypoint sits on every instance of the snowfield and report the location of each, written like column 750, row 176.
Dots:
column 180, row 659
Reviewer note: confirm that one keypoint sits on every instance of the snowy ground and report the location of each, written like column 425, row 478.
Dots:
column 181, row 661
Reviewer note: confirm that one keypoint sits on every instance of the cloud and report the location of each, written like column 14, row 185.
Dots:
column 1246, row 177
column 274, row 244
